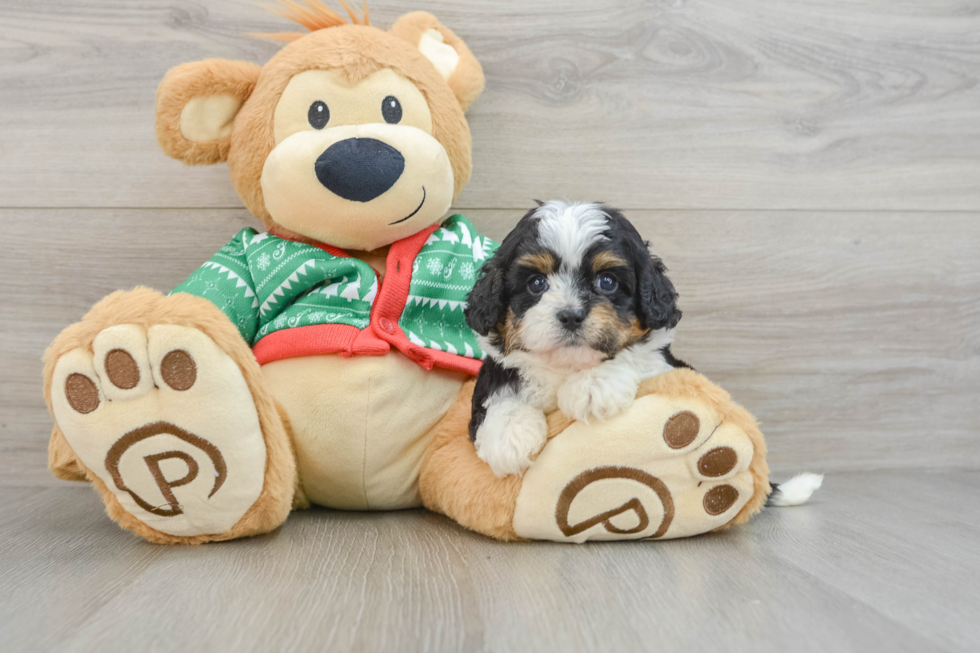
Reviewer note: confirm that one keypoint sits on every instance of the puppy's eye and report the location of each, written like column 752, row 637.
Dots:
column 606, row 284
column 319, row 115
column 391, row 109
column 537, row 284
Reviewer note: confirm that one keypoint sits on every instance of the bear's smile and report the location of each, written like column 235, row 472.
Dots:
column 417, row 209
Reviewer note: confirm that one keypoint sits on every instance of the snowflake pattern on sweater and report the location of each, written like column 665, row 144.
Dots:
column 266, row 284
column 442, row 277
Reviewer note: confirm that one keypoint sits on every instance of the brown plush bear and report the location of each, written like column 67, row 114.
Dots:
column 326, row 360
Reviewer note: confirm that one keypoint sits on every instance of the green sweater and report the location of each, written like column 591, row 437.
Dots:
column 293, row 299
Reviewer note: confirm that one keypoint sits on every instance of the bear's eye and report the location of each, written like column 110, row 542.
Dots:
column 391, row 109
column 319, row 115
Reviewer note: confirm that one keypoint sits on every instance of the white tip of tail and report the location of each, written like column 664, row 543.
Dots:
column 797, row 490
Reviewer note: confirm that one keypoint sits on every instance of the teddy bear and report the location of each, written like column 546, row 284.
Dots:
column 325, row 359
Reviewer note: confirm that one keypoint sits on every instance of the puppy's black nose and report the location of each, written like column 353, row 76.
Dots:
column 359, row 169
column 571, row 319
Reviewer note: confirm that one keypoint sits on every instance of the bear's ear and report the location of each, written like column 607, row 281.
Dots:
column 446, row 51
column 196, row 108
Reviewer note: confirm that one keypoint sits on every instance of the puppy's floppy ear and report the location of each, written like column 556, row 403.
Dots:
column 488, row 299
column 196, row 108
column 446, row 51
column 485, row 305
column 656, row 298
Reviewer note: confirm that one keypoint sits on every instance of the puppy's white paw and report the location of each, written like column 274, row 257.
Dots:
column 511, row 433
column 601, row 391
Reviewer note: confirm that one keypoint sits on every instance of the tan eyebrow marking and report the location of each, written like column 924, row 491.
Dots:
column 605, row 260
column 543, row 262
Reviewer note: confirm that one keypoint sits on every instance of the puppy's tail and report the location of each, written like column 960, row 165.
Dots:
column 796, row 491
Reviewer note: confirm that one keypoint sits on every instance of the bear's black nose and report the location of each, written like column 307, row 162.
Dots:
column 359, row 169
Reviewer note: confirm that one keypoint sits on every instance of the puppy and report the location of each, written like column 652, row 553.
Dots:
column 573, row 312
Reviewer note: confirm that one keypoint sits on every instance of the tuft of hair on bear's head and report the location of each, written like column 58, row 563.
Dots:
column 313, row 15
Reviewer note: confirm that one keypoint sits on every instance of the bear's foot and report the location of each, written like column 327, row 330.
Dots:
column 674, row 464
column 683, row 459
column 166, row 425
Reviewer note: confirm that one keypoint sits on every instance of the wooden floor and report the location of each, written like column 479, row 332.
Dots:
column 808, row 169
column 886, row 561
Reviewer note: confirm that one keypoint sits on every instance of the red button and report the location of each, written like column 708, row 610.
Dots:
column 386, row 325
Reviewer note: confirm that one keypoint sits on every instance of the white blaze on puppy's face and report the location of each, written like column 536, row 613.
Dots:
column 568, row 231
column 539, row 329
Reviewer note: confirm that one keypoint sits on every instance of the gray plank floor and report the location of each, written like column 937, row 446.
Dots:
column 885, row 561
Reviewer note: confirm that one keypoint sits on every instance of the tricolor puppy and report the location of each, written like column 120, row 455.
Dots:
column 573, row 312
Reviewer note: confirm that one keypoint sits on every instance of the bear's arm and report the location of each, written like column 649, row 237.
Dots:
column 226, row 281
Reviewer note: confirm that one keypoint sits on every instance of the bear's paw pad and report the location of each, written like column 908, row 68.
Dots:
column 166, row 420
column 665, row 468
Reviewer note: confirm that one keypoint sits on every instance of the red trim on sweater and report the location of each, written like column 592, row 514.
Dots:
column 390, row 303
column 448, row 361
column 306, row 341
column 382, row 333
